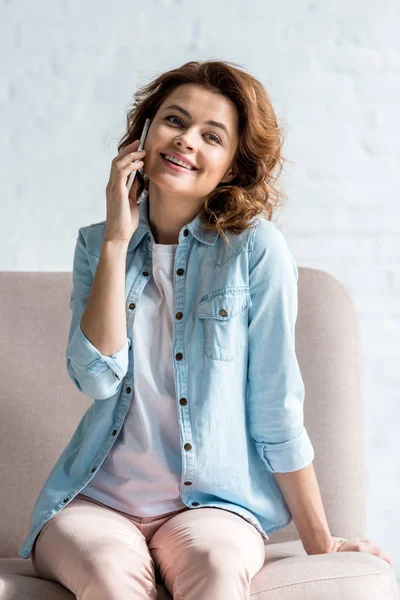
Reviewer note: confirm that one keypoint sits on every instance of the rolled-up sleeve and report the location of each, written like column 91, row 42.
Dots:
column 93, row 373
column 275, row 385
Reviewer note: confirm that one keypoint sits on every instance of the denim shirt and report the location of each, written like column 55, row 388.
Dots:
column 239, row 390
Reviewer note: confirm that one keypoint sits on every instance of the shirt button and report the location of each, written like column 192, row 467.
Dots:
column 183, row 401
column 132, row 305
column 180, row 271
column 195, row 504
column 128, row 390
column 179, row 315
column 223, row 313
column 145, row 273
column 188, row 446
column 187, row 483
column 186, row 233
column 179, row 356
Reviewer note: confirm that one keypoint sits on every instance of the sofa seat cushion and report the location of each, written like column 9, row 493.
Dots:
column 288, row 574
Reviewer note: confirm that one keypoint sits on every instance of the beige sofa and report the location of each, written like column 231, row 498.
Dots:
column 40, row 409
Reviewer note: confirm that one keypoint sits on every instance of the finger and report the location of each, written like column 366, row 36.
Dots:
column 129, row 147
column 131, row 157
column 387, row 558
column 125, row 173
column 124, row 151
column 378, row 552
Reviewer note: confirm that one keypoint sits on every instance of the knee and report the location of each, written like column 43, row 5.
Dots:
column 219, row 559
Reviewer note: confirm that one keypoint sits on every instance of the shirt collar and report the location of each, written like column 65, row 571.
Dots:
column 195, row 226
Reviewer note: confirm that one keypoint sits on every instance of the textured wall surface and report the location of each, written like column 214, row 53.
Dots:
column 69, row 71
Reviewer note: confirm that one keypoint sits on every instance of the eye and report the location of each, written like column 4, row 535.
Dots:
column 174, row 117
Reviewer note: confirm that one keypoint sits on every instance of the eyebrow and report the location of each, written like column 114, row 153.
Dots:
column 185, row 112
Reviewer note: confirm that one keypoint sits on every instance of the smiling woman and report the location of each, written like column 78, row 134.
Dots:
column 187, row 347
column 214, row 148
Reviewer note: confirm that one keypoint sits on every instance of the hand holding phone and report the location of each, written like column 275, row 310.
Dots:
column 122, row 208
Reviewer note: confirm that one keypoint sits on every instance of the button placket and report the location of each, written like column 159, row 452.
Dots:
column 179, row 356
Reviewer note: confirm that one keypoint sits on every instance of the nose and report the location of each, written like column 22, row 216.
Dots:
column 183, row 142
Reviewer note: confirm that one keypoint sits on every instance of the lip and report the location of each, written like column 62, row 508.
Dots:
column 181, row 157
column 175, row 167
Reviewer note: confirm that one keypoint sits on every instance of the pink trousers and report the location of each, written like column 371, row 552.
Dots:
column 100, row 553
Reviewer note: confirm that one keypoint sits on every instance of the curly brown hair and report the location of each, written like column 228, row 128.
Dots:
column 258, row 159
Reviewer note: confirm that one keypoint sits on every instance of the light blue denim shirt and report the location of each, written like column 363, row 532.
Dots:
column 234, row 338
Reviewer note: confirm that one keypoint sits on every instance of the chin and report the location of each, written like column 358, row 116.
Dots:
column 163, row 182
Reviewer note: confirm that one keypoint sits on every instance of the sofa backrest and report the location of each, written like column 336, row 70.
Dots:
column 41, row 407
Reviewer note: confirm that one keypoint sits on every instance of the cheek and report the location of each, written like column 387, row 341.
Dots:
column 159, row 134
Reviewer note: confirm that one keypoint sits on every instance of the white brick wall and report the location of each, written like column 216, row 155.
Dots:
column 332, row 69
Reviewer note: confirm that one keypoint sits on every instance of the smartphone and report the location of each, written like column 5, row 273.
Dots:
column 141, row 146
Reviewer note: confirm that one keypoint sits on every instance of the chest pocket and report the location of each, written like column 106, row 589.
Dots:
column 225, row 321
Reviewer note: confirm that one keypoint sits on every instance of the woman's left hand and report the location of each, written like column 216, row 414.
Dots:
column 362, row 546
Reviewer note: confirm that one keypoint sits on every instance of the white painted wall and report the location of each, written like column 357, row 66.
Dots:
column 69, row 71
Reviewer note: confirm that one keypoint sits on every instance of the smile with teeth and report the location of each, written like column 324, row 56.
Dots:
column 178, row 162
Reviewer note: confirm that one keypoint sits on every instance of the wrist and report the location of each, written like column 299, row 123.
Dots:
column 337, row 545
column 115, row 243
column 114, row 248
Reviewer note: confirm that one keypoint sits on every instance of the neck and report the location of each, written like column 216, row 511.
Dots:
column 169, row 213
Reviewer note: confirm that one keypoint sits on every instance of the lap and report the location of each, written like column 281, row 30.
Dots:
column 78, row 542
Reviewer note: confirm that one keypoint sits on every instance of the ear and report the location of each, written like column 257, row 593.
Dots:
column 228, row 176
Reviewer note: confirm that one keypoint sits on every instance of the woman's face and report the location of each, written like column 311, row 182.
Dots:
column 209, row 147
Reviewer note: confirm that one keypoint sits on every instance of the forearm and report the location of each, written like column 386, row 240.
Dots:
column 104, row 321
column 302, row 495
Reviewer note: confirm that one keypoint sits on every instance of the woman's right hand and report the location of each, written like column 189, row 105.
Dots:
column 122, row 207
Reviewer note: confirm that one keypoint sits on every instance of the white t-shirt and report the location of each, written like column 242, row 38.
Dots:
column 141, row 474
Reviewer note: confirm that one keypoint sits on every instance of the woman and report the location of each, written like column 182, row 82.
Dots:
column 198, row 398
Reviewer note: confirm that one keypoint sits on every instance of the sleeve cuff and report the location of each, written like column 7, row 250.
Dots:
column 87, row 358
column 292, row 455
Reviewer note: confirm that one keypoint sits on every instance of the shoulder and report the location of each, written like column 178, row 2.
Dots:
column 269, row 245
column 92, row 236
column 266, row 236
